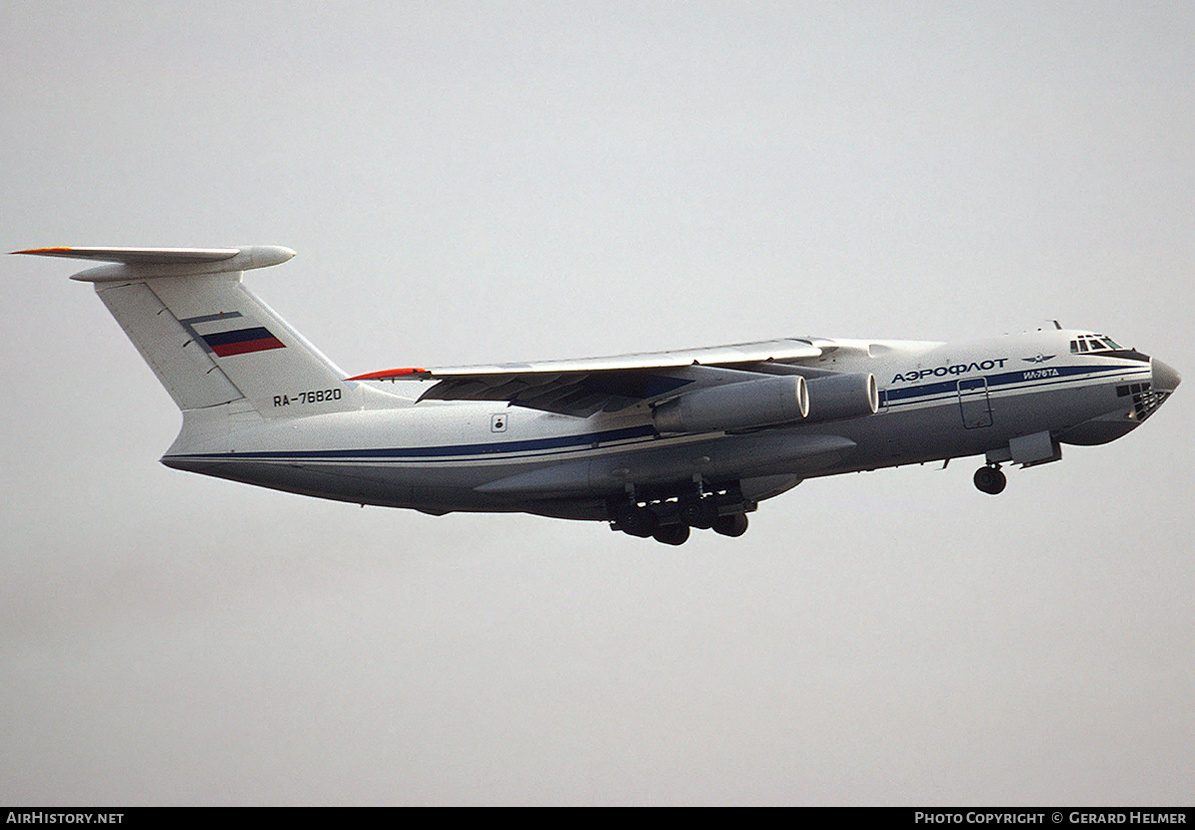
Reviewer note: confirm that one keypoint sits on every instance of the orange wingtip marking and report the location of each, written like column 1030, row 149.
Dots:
column 389, row 373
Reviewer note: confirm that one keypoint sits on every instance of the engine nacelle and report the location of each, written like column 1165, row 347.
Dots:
column 843, row 396
column 752, row 403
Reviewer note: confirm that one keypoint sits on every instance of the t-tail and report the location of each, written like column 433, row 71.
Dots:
column 208, row 339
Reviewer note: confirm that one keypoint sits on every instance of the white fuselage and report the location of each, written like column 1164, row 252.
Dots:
column 937, row 401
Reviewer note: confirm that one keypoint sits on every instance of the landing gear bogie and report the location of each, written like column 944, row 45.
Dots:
column 670, row 519
column 678, row 533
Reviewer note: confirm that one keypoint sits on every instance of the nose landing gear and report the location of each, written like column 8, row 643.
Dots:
column 990, row 480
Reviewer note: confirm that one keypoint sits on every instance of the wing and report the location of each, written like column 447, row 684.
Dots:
column 608, row 384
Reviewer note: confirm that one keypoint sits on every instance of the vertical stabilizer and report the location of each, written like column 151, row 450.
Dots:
column 208, row 339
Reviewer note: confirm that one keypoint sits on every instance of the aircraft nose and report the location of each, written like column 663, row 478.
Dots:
column 1165, row 379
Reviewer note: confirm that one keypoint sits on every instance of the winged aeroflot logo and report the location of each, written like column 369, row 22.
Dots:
column 1041, row 358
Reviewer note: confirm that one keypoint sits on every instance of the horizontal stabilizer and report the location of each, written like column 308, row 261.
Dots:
column 139, row 263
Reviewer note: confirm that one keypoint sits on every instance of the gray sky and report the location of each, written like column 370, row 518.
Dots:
column 472, row 182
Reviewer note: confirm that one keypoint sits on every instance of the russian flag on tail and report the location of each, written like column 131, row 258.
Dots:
column 242, row 341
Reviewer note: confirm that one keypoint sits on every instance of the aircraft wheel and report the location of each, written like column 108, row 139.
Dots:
column 990, row 480
column 699, row 513
column 672, row 534
column 734, row 525
column 637, row 521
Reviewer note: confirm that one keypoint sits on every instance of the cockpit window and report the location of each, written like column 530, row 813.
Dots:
column 1093, row 343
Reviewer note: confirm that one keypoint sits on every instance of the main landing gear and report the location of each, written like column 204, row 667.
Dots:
column 670, row 520
column 990, row 480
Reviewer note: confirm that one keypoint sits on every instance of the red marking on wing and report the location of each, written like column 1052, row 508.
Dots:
column 389, row 374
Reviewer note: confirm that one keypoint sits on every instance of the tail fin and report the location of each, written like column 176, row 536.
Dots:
column 206, row 337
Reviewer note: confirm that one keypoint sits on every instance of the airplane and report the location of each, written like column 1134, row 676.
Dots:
column 655, row 444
